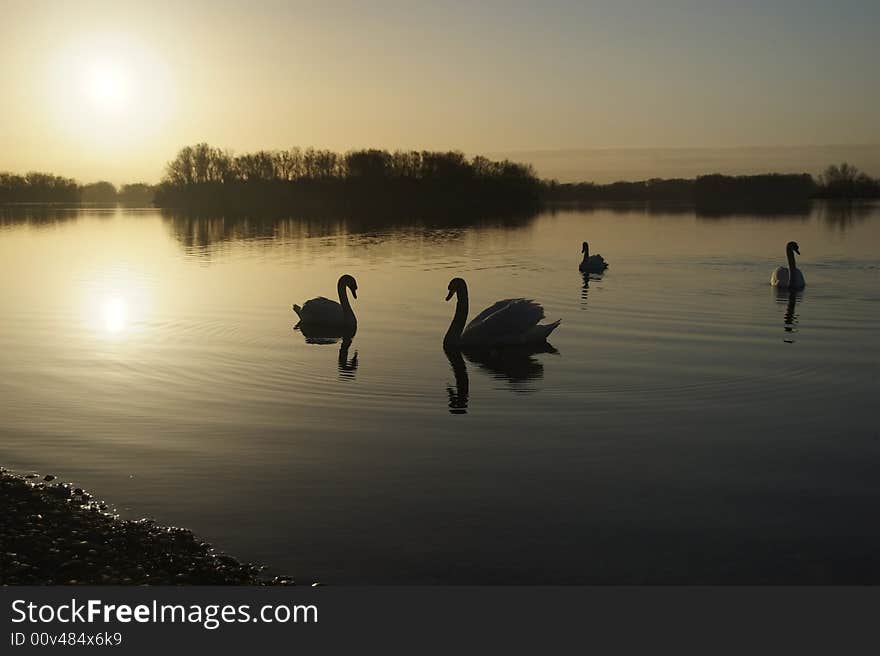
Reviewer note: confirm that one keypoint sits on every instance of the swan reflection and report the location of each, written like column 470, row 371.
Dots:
column 790, row 320
column 516, row 365
column 585, row 289
column 347, row 367
column 458, row 396
column 324, row 335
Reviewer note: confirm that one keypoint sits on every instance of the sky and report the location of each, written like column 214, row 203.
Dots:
column 111, row 90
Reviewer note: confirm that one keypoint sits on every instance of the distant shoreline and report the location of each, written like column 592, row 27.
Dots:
column 210, row 180
column 611, row 164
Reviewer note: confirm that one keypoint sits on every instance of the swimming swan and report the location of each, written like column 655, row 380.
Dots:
column 506, row 323
column 791, row 277
column 592, row 263
column 324, row 313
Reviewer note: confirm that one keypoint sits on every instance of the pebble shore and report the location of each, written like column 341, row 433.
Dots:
column 54, row 533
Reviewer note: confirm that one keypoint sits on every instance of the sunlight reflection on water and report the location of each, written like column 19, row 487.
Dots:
column 684, row 404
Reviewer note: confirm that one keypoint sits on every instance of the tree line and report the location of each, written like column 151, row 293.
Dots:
column 844, row 181
column 35, row 187
column 206, row 177
column 203, row 177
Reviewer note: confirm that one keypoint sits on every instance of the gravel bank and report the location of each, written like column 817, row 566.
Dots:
column 53, row 533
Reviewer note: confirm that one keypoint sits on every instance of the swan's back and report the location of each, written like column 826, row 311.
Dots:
column 320, row 310
column 507, row 320
column 593, row 263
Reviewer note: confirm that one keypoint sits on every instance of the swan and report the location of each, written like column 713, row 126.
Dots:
column 506, row 323
column 326, row 314
column 791, row 277
column 592, row 263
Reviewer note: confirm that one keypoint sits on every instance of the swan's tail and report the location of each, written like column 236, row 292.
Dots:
column 298, row 310
column 550, row 327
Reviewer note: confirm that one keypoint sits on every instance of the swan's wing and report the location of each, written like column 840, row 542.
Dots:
column 594, row 263
column 320, row 309
column 510, row 309
column 780, row 277
column 320, row 303
column 512, row 316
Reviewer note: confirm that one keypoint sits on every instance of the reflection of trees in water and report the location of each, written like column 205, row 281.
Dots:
column 516, row 365
column 842, row 214
column 721, row 210
column 838, row 213
column 40, row 215
column 622, row 207
column 769, row 212
column 199, row 233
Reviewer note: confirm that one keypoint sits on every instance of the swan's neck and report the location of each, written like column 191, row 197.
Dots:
column 791, row 267
column 347, row 312
column 453, row 335
column 586, row 253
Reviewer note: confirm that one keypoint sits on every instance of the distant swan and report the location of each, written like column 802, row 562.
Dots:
column 323, row 313
column 791, row 277
column 592, row 263
column 506, row 323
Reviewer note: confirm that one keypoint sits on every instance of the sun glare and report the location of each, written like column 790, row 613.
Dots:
column 108, row 87
column 115, row 301
column 109, row 91
column 114, row 312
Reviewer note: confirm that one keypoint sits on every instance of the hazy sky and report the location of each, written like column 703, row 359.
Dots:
column 112, row 89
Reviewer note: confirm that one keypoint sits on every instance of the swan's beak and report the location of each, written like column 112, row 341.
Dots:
column 449, row 295
column 354, row 292
column 797, row 250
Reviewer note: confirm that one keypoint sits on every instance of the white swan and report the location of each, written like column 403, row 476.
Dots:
column 791, row 277
column 506, row 323
column 592, row 263
column 323, row 313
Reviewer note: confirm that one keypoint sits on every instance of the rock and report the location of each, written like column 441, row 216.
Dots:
column 48, row 478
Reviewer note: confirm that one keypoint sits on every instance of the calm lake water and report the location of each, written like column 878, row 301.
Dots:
column 692, row 425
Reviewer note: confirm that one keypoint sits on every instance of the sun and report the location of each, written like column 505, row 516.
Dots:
column 109, row 92
column 114, row 312
column 108, row 87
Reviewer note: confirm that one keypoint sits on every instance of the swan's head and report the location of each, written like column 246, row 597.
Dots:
column 351, row 283
column 585, row 248
column 456, row 286
column 792, row 246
